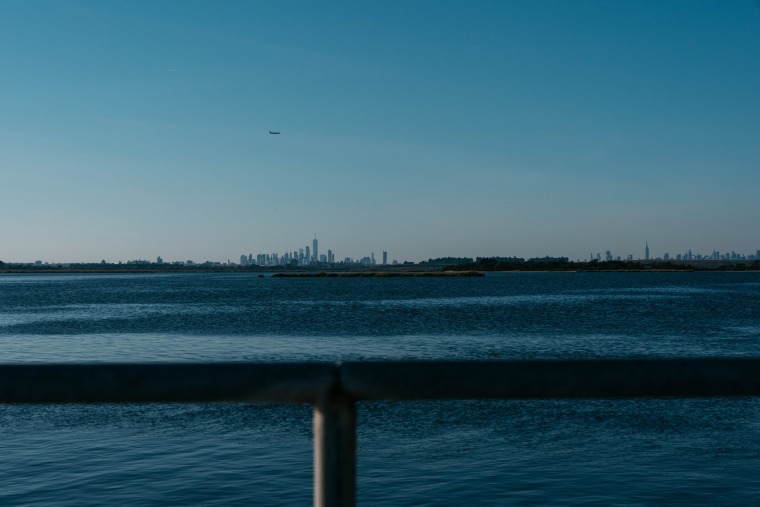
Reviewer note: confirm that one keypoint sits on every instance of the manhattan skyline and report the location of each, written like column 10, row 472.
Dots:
column 138, row 129
column 310, row 256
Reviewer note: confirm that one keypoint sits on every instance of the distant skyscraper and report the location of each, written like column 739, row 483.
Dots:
column 385, row 257
column 308, row 255
column 646, row 251
column 315, row 244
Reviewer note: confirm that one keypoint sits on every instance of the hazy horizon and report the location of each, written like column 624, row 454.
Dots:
column 600, row 255
column 132, row 130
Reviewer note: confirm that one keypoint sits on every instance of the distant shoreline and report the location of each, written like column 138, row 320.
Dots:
column 482, row 265
column 375, row 274
column 352, row 274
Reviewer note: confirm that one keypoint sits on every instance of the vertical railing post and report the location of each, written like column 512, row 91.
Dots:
column 334, row 450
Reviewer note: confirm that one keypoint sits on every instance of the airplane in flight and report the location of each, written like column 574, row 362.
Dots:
column 271, row 132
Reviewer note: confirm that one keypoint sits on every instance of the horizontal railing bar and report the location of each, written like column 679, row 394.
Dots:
column 551, row 379
column 164, row 382
column 387, row 380
column 334, row 388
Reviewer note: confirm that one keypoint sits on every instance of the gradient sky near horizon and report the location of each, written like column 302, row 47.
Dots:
column 134, row 129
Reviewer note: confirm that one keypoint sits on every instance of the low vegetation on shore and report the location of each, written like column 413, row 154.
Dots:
column 563, row 264
column 376, row 274
column 430, row 268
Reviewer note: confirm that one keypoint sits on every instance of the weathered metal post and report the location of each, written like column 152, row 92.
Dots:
column 334, row 450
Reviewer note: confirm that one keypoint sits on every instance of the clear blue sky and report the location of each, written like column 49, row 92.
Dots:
column 135, row 129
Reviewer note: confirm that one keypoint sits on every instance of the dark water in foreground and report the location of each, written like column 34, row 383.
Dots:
column 625, row 452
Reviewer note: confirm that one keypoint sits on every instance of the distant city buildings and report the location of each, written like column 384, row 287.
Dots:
column 688, row 255
column 310, row 256
column 307, row 256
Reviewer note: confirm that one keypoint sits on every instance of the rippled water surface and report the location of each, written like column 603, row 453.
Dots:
column 626, row 452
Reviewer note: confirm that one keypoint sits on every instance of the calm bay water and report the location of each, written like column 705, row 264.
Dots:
column 629, row 452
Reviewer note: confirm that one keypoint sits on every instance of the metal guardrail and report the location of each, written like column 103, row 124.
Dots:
column 335, row 388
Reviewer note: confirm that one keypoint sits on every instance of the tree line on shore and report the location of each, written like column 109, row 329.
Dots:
column 563, row 264
column 480, row 264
